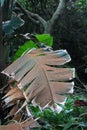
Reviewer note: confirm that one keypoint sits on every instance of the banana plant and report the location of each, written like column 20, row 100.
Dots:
column 37, row 77
column 10, row 20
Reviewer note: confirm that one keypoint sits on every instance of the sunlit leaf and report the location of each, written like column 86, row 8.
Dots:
column 47, row 39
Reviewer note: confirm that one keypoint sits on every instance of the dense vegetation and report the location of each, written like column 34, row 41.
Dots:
column 21, row 22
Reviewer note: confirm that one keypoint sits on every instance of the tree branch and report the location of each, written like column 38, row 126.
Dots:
column 48, row 25
column 37, row 17
column 59, row 11
column 34, row 17
column 25, row 12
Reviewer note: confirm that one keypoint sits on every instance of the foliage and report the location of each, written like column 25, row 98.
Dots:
column 10, row 26
column 24, row 48
column 10, row 19
column 10, row 22
column 70, row 118
column 46, row 39
column 42, row 39
column 35, row 78
column 70, row 33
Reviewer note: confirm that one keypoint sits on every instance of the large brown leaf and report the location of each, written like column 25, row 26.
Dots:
column 26, row 125
column 40, row 78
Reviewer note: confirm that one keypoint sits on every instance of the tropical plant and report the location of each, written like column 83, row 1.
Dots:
column 10, row 26
column 9, row 22
column 69, row 30
column 34, row 41
column 28, row 124
column 34, row 78
column 10, row 19
column 72, row 117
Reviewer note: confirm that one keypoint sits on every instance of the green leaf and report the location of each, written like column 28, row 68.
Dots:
column 11, row 25
column 47, row 39
column 69, row 124
column 25, row 48
column 43, row 38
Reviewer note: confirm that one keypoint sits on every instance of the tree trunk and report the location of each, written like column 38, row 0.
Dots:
column 47, row 25
column 2, row 50
column 50, row 24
